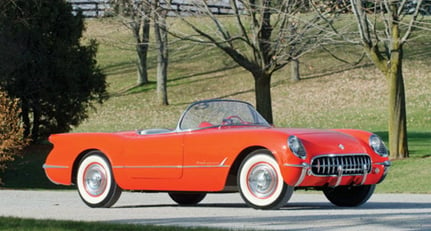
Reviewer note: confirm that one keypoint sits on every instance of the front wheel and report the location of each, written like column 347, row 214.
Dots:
column 187, row 198
column 349, row 196
column 260, row 182
column 96, row 184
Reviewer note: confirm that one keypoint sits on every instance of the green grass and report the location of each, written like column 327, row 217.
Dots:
column 12, row 223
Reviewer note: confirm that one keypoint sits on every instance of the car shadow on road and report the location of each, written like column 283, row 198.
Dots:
column 295, row 206
column 209, row 205
column 366, row 206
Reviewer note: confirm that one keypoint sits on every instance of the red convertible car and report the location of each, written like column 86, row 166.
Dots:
column 220, row 146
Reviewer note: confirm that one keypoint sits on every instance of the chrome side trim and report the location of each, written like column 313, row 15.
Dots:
column 54, row 166
column 173, row 166
column 297, row 165
column 223, row 161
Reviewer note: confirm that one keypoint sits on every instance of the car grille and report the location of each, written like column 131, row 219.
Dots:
column 330, row 165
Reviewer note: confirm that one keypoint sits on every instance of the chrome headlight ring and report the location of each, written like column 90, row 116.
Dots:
column 378, row 146
column 296, row 146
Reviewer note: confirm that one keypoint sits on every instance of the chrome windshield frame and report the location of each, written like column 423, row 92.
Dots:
column 253, row 112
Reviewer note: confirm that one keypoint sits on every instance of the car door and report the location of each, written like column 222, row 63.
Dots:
column 208, row 154
column 154, row 156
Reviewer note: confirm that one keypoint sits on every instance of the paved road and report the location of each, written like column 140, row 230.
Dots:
column 305, row 211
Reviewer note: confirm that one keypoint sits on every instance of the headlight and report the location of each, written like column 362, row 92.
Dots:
column 378, row 146
column 297, row 147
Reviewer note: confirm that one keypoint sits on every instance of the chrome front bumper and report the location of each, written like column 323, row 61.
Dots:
column 306, row 170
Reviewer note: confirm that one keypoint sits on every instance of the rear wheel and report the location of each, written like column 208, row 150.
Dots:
column 349, row 196
column 96, row 184
column 187, row 198
column 260, row 181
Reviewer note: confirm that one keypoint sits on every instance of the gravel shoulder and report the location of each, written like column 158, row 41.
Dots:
column 305, row 211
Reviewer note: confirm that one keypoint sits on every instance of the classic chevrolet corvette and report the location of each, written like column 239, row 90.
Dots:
column 220, row 146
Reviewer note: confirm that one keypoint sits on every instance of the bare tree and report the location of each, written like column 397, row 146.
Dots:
column 262, row 36
column 161, row 34
column 136, row 16
column 385, row 47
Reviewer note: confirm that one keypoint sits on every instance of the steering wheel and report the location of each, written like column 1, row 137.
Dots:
column 233, row 119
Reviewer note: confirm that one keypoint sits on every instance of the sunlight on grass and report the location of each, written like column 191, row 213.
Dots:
column 407, row 176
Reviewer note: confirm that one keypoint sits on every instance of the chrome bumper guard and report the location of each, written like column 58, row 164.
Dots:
column 306, row 170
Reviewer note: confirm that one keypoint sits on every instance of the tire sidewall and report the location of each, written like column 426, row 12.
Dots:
column 277, row 196
column 94, row 200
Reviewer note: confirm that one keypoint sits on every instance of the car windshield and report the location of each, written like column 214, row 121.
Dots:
column 217, row 113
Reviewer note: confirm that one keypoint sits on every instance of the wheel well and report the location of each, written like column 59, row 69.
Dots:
column 233, row 172
column 77, row 161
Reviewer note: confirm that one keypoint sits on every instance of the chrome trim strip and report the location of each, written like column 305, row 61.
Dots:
column 303, row 173
column 303, row 165
column 223, row 161
column 54, row 166
column 207, row 166
column 174, row 166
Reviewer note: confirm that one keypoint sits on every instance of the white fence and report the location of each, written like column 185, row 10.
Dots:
column 100, row 8
column 91, row 8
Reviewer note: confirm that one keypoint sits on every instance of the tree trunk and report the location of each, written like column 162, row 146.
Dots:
column 162, row 56
column 120, row 7
column 295, row 75
column 397, row 123
column 389, row 62
column 36, row 124
column 262, row 84
column 142, row 49
column 25, row 118
column 141, row 64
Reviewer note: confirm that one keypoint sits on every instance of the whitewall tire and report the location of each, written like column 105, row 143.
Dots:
column 96, row 184
column 260, row 181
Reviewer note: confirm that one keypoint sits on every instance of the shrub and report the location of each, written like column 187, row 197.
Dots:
column 11, row 130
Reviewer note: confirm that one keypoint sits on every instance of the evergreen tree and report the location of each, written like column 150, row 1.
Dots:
column 45, row 65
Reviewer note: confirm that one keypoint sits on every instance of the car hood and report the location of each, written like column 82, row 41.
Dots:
column 321, row 141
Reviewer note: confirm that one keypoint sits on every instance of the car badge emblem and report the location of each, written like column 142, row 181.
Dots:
column 341, row 146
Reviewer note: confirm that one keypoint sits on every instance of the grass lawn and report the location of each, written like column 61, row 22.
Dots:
column 11, row 223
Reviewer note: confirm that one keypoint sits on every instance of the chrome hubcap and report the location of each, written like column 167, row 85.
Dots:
column 95, row 180
column 262, row 180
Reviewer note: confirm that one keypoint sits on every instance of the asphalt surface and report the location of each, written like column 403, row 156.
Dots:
column 305, row 211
